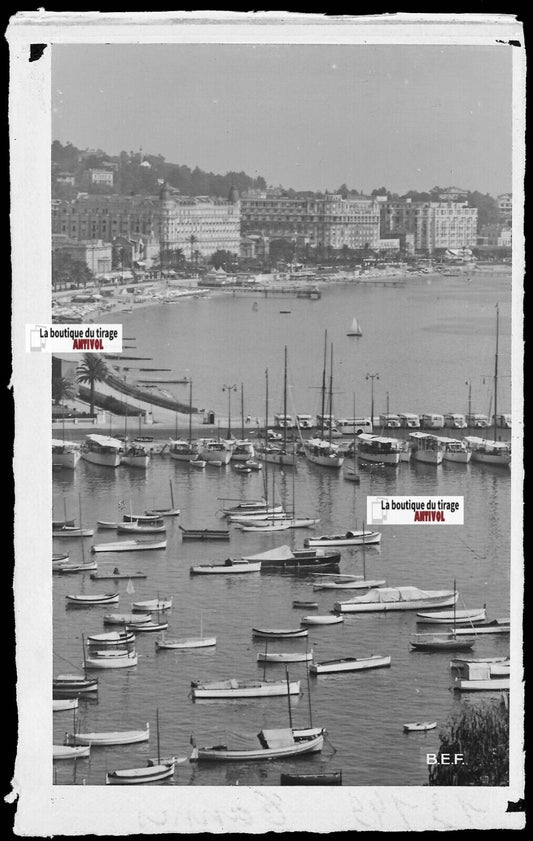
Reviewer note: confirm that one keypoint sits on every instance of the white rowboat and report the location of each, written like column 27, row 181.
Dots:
column 350, row 664
column 113, row 737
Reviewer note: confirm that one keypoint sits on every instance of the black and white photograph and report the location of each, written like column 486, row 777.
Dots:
column 267, row 369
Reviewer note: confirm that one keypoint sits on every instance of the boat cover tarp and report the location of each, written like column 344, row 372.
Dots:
column 477, row 671
column 278, row 738
column 397, row 594
column 282, row 553
column 72, row 445
column 241, row 741
column 105, row 441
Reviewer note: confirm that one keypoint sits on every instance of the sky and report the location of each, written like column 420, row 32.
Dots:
column 311, row 117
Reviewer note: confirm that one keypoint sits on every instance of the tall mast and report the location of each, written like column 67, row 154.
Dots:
column 323, row 385
column 496, row 372
column 242, row 412
column 265, row 472
column 331, row 394
column 285, row 403
column 190, row 412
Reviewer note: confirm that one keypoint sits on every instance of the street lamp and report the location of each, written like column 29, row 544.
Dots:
column 372, row 377
column 229, row 389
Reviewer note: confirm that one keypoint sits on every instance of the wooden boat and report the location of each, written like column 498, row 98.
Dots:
column 478, row 677
column 497, row 669
column 321, row 450
column 378, row 449
column 244, row 688
column 111, row 639
column 68, row 568
column 191, row 642
column 152, row 605
column 148, row 774
column 426, row 448
column 327, row 619
column 459, row 662
column 268, row 526
column 106, row 576
column 199, row 463
column 308, row 605
column 419, row 725
column 497, row 453
column 349, row 664
column 397, row 598
column 111, row 658
column 141, row 528
column 127, row 618
column 204, row 534
column 60, row 557
column 113, row 737
column 72, row 531
column 60, row 704
column 285, row 558
column 93, row 599
column 254, row 506
column 267, row 744
column 329, row 778
column 166, row 512
column 450, row 617
column 102, row 450
column 447, row 641
column 65, row 454
column 495, row 626
column 229, row 566
column 148, row 627
column 279, row 633
column 135, row 455
column 352, row 537
column 355, row 328
column 70, row 751
column 68, row 685
column 285, row 656
column 359, row 584
column 129, row 546
column 252, row 519
column 211, row 450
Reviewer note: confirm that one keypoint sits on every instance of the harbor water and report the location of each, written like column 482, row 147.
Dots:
column 426, row 340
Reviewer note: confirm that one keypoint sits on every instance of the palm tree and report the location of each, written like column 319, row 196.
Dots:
column 62, row 389
column 192, row 240
column 92, row 370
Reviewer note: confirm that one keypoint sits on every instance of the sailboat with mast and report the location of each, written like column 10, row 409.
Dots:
column 319, row 450
column 443, row 641
column 275, row 453
column 355, row 328
column 242, row 449
column 179, row 449
column 483, row 449
column 353, row 474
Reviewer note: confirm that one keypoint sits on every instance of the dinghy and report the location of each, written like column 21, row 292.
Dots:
column 451, row 617
column 148, row 774
column 244, row 688
column 419, row 725
column 352, row 537
column 70, row 751
column 69, row 685
column 328, row 778
column 285, row 656
column 113, row 737
column 229, row 566
column 349, row 664
column 127, row 618
column 60, row 704
column 111, row 658
column 326, row 619
column 279, row 633
column 152, row 605
column 111, row 639
column 129, row 546
column 93, row 599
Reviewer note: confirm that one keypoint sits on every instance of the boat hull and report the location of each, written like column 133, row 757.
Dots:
column 66, row 460
column 103, row 459
column 337, row 540
column 367, row 607
column 223, row 569
column 349, row 664
column 123, row 661
column 285, row 657
column 392, row 459
column 266, row 633
column 221, row 755
column 494, row 684
column 200, row 642
column 127, row 737
column 259, row 690
column 132, row 776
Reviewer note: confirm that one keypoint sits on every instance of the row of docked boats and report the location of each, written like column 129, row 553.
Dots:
column 432, row 449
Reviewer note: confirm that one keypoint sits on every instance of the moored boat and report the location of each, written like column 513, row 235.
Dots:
column 152, row 605
column 102, row 449
column 127, row 618
column 426, row 448
column 352, row 537
column 93, row 599
column 111, row 658
column 156, row 526
column 106, row 576
column 359, row 584
column 285, row 656
column 65, row 454
column 497, row 453
column 129, row 546
column 279, row 633
column 68, row 685
column 61, row 704
column 112, row 737
column 111, row 639
column 419, row 726
column 135, row 455
column 495, row 626
column 350, row 664
column 267, row 744
column 455, row 450
column 326, row 619
column 70, row 751
column 141, row 776
column 229, row 566
column 190, row 642
column 452, row 617
column 72, row 531
column 204, row 534
column 379, row 449
column 211, row 450
column 479, row 677
column 445, row 641
column 244, row 689
column 397, row 598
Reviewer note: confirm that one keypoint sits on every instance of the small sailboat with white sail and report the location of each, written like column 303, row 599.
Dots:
column 355, row 328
